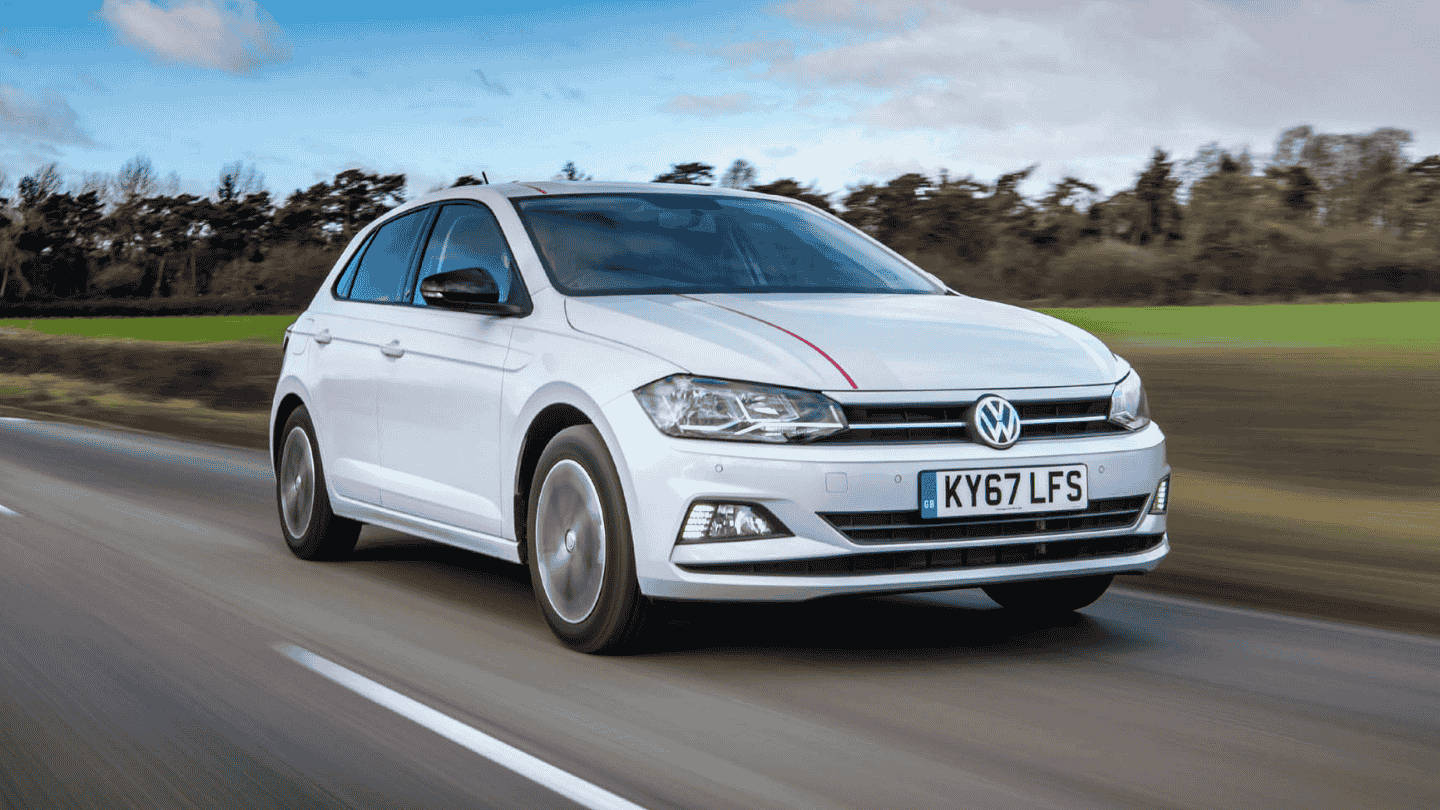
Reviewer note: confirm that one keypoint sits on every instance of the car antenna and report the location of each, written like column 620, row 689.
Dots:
column 483, row 177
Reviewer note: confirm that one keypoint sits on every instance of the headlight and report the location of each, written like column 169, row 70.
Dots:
column 704, row 408
column 1128, row 406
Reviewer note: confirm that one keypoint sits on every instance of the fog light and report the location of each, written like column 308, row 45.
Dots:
column 1162, row 497
column 710, row 521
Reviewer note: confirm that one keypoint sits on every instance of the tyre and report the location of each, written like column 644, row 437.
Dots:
column 312, row 530
column 1049, row 596
column 582, row 561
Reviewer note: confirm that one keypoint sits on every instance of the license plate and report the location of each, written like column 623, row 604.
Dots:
column 1004, row 490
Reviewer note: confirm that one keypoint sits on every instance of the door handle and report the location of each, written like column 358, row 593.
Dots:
column 323, row 336
column 393, row 349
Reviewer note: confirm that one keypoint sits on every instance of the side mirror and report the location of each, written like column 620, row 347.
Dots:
column 471, row 289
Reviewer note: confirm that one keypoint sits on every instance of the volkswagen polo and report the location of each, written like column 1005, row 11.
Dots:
column 650, row 392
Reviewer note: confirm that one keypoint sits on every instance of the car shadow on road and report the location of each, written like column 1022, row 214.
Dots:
column 946, row 625
column 942, row 625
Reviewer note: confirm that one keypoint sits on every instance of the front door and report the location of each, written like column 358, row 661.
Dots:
column 438, row 403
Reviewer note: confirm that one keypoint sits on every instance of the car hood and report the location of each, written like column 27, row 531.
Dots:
column 842, row 342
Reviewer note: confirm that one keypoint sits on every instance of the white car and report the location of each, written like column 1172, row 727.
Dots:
column 651, row 392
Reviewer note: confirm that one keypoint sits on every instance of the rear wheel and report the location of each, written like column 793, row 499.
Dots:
column 582, row 562
column 312, row 530
column 1049, row 596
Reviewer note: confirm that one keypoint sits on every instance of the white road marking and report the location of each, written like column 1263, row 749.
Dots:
column 7, row 511
column 13, row 419
column 538, row 770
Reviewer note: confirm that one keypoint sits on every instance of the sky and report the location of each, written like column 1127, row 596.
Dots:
column 830, row 92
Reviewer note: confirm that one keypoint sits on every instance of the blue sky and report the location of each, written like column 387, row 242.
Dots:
column 831, row 91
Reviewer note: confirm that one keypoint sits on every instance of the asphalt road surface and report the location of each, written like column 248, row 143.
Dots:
column 159, row 647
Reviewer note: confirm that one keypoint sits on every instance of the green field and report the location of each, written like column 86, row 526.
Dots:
column 1412, row 323
column 205, row 328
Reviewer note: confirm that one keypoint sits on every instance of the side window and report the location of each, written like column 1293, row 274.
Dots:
column 467, row 236
column 386, row 263
column 347, row 276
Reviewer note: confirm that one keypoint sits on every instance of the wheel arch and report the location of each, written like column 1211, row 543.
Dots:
column 545, row 426
column 287, row 406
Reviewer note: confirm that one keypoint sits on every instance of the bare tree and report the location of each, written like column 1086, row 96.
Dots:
column 1357, row 173
column 38, row 185
column 10, row 263
column 99, row 182
column 569, row 172
column 237, row 181
column 136, row 179
column 688, row 174
column 741, row 174
column 9, row 256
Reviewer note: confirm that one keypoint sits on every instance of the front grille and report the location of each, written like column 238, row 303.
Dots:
column 909, row 527
column 941, row 559
column 1043, row 419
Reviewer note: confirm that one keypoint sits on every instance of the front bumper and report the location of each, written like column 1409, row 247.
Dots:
column 664, row 475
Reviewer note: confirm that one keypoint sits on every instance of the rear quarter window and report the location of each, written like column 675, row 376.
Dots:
column 385, row 266
column 347, row 276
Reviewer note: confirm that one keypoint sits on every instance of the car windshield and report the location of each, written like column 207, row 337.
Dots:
column 639, row 243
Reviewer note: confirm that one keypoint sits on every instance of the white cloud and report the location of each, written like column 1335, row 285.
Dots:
column 46, row 117
column 1085, row 85
column 778, row 152
column 886, row 168
column 712, row 106
column 478, row 121
column 236, row 36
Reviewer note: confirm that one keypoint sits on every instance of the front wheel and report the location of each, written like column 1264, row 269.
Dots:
column 312, row 530
column 1048, row 597
column 582, row 563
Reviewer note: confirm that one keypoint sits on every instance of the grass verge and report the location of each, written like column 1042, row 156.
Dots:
column 172, row 329
column 1406, row 323
column 1362, row 324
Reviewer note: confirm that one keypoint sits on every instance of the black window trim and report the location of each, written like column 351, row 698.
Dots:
column 355, row 258
column 428, row 211
column 517, row 280
column 518, row 287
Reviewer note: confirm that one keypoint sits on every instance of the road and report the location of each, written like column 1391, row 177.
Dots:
column 147, row 603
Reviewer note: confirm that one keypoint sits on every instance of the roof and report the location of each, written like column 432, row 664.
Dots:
column 538, row 187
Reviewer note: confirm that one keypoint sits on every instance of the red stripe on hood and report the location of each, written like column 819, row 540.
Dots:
column 782, row 329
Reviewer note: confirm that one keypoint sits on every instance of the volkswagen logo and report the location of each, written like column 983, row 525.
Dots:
column 993, row 421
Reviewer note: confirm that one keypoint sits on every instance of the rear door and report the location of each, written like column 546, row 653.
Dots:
column 348, row 361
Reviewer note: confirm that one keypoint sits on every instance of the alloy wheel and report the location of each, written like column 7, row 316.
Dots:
column 297, row 482
column 570, row 541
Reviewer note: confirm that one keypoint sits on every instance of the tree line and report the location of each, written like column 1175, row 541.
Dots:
column 1326, row 213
